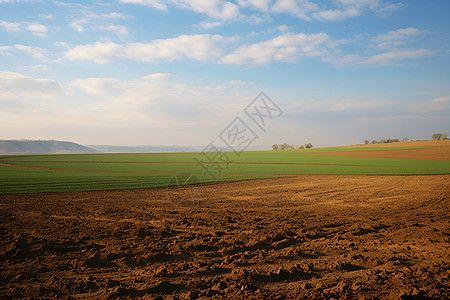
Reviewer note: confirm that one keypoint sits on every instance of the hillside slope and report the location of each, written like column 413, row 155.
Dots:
column 41, row 147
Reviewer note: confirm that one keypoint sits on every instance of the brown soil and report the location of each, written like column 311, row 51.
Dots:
column 445, row 143
column 438, row 153
column 311, row 237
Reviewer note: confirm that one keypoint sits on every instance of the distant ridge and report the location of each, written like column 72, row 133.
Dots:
column 42, row 147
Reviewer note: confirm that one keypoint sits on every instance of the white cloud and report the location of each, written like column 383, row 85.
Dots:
column 37, row 29
column 77, row 25
column 443, row 99
column 353, row 104
column 336, row 14
column 40, row 67
column 208, row 25
column 97, row 86
column 387, row 58
column 84, row 16
column 117, row 29
column 11, row 26
column 158, row 4
column 217, row 9
column 262, row 5
column 34, row 27
column 283, row 28
column 99, row 52
column 13, row 1
column 286, row 47
column 17, row 84
column 201, row 47
column 36, row 52
column 240, row 82
column 111, row 15
column 298, row 8
column 395, row 38
column 157, row 76
column 436, row 105
column 304, row 9
column 395, row 55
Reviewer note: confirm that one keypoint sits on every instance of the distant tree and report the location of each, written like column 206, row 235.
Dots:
column 373, row 142
column 275, row 147
column 366, row 142
column 283, row 146
column 300, row 147
column 290, row 147
column 405, row 139
column 437, row 136
column 309, row 145
column 445, row 136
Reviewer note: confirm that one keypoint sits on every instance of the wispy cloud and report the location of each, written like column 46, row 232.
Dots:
column 11, row 26
column 36, row 52
column 200, row 47
column 390, row 57
column 33, row 27
column 286, row 47
column 158, row 4
column 37, row 29
column 240, row 82
column 395, row 55
column 395, row 38
column 303, row 9
column 117, row 29
column 17, row 84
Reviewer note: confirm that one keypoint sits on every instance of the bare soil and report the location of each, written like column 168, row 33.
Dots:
column 310, row 237
column 438, row 153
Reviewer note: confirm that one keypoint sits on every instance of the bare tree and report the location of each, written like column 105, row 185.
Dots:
column 309, row 145
column 275, row 147
column 366, row 142
column 405, row 139
column 437, row 136
column 283, row 146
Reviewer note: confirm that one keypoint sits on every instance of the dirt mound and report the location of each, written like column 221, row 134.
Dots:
column 311, row 237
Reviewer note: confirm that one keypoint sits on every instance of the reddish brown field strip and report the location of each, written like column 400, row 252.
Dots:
column 438, row 153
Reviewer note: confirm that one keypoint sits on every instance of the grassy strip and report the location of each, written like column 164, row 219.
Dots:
column 21, row 180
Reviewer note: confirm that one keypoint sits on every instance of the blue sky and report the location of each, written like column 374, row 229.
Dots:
column 168, row 72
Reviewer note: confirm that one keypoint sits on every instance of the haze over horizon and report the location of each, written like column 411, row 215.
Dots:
column 168, row 72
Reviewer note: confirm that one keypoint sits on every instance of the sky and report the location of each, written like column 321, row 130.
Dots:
column 178, row 72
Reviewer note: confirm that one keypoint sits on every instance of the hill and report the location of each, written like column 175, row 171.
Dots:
column 42, row 147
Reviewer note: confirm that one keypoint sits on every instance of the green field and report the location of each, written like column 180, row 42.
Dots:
column 81, row 172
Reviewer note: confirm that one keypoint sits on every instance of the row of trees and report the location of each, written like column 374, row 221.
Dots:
column 385, row 141
column 285, row 146
column 439, row 136
column 434, row 136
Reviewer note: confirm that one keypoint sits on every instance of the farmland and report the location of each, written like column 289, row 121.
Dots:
column 363, row 221
column 56, row 173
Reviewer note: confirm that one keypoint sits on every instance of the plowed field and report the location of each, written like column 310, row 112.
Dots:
column 302, row 237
